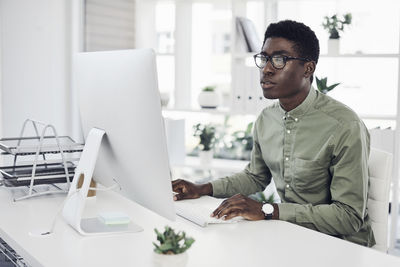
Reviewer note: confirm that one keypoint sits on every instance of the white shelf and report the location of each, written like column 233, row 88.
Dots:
column 220, row 111
column 360, row 56
column 377, row 117
column 244, row 55
column 224, row 165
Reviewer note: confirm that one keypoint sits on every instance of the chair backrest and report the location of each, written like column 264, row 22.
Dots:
column 380, row 172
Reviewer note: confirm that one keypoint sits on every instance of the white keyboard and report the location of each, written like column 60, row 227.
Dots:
column 200, row 214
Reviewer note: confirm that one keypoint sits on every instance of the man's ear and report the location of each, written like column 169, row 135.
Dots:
column 309, row 68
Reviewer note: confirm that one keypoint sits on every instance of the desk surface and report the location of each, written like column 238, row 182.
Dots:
column 242, row 244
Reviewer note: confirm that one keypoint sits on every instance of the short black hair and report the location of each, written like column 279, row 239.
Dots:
column 305, row 41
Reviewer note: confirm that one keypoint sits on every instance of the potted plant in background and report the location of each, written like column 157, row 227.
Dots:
column 243, row 141
column 208, row 98
column 206, row 133
column 260, row 197
column 322, row 85
column 164, row 97
column 334, row 25
column 172, row 247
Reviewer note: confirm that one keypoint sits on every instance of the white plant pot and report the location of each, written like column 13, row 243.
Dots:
column 333, row 46
column 178, row 260
column 208, row 99
column 206, row 157
column 164, row 98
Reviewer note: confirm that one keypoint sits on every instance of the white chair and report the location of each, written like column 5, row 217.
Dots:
column 380, row 171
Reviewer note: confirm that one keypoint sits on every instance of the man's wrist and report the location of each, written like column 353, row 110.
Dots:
column 206, row 189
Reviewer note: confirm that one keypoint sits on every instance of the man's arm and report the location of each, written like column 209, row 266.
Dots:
column 349, row 188
column 255, row 177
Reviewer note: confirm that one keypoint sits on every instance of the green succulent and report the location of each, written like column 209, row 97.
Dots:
column 333, row 24
column 260, row 197
column 245, row 138
column 322, row 85
column 206, row 133
column 171, row 242
column 209, row 89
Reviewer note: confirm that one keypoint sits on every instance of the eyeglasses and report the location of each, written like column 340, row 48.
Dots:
column 277, row 61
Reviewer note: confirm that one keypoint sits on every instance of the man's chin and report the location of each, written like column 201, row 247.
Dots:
column 268, row 95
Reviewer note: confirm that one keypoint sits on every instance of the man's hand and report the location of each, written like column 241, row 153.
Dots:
column 239, row 205
column 188, row 190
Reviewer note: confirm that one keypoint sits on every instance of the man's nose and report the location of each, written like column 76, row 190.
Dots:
column 268, row 68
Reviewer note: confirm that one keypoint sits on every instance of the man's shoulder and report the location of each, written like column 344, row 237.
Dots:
column 335, row 109
column 270, row 109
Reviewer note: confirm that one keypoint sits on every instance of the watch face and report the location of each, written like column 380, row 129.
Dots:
column 268, row 208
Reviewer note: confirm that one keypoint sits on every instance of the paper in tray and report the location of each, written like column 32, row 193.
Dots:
column 45, row 174
column 29, row 145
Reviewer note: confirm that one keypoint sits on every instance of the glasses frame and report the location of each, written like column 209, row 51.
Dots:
column 285, row 60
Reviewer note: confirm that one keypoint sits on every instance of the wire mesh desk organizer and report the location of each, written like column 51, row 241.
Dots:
column 48, row 171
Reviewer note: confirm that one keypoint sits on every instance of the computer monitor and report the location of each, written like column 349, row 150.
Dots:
column 118, row 92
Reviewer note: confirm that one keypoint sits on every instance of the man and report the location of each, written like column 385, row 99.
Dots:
column 315, row 148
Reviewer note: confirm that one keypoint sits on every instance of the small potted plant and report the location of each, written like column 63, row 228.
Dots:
column 322, row 85
column 208, row 98
column 206, row 133
column 243, row 140
column 260, row 197
column 171, row 248
column 334, row 25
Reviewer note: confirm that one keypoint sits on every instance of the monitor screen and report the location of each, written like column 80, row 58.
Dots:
column 118, row 92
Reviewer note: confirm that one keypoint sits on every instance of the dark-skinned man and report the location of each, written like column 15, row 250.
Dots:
column 315, row 148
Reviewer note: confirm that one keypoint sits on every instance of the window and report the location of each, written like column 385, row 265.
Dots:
column 211, row 37
column 165, row 28
column 369, row 68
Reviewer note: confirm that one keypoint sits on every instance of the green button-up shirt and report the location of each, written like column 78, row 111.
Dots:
column 317, row 155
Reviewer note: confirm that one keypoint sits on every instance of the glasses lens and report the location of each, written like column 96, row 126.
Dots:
column 261, row 61
column 278, row 62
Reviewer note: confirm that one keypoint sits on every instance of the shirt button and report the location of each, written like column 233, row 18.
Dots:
column 288, row 131
column 286, row 158
column 296, row 119
column 283, row 118
column 287, row 186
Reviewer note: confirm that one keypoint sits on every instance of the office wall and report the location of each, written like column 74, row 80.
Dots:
column 35, row 61
column 1, row 133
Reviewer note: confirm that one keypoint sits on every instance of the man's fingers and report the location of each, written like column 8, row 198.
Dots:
column 232, row 214
column 178, row 196
column 228, row 211
column 179, row 186
column 232, row 201
column 174, row 182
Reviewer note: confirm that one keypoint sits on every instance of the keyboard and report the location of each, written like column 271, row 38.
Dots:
column 198, row 211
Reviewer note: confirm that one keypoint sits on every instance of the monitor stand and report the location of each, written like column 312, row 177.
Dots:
column 75, row 203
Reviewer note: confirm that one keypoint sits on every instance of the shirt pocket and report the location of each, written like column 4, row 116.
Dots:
column 310, row 176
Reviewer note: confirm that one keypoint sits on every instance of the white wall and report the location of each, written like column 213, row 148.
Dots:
column 35, row 61
column 1, row 81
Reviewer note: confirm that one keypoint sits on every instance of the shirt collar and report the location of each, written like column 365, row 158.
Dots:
column 304, row 106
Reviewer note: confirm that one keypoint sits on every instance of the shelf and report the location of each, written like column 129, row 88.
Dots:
column 377, row 117
column 221, row 111
column 360, row 56
column 244, row 55
column 224, row 165
column 356, row 55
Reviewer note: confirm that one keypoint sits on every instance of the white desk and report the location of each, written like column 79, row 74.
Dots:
column 262, row 243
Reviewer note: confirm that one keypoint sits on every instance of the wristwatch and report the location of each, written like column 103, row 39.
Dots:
column 268, row 210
